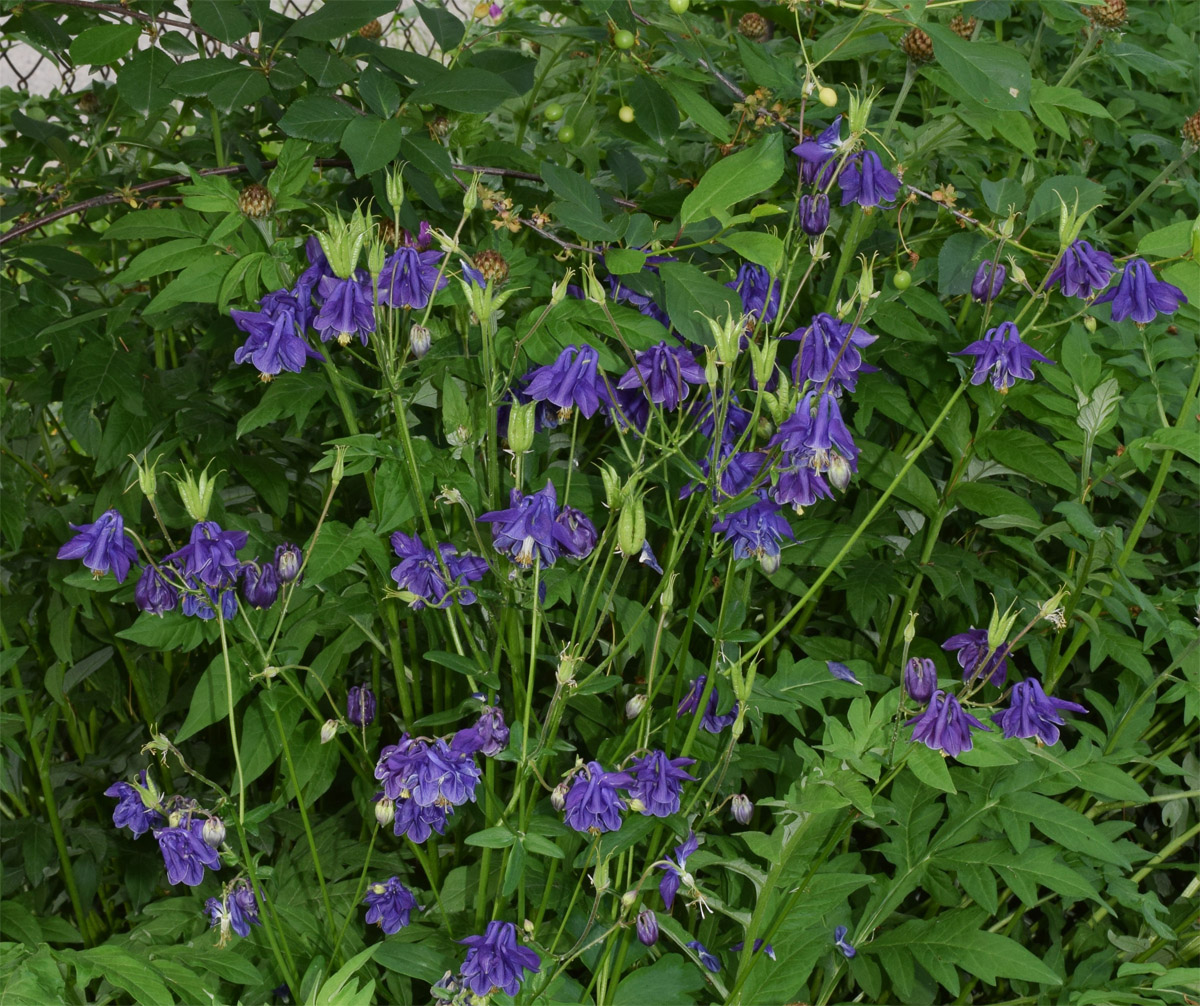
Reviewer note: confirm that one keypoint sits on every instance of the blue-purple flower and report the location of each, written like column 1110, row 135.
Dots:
column 843, row 673
column 260, row 584
column 737, row 473
column 1033, row 713
column 360, row 706
column 945, row 725
column 647, row 558
column 389, row 904
column 972, row 650
column 676, row 870
column 1083, row 271
column 497, row 961
column 663, row 373
column 839, row 940
column 988, row 281
column 237, row 911
column 531, row 528
column 829, row 352
column 154, row 592
column 420, row 572
column 707, row 411
column 758, row 945
column 185, row 853
column 275, row 336
column 813, row 212
column 488, row 736
column 573, row 381
column 741, row 807
column 816, row 152
column 1140, row 295
column 410, row 277
column 759, row 293
column 288, row 559
column 756, row 531
column 210, row 556
column 594, row 803
column 1003, row 355
column 658, row 782
column 578, row 534
column 864, row 180
column 201, row 601
column 131, row 811
column 102, row 545
column 710, row 721
column 346, row 310
column 647, row 927
column 920, row 678
column 710, row 961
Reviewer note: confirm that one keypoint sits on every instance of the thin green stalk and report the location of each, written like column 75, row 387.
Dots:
column 233, row 736
column 910, row 74
column 362, row 883
column 1146, row 192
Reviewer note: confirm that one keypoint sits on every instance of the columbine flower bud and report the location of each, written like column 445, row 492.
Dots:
column 839, row 471
column 329, row 731
column 385, row 811
column 196, row 493
column 520, row 427
column 667, row 597
column 910, row 630
column 558, row 796
column 1089, row 323
column 710, row 368
column 741, row 808
column 419, row 340
column 631, row 526
column 628, row 899
column 213, row 832
column 920, row 678
column 593, row 289
column 394, row 189
column 647, row 927
column 558, row 292
column 147, row 477
column 769, row 563
column 634, row 707
column 613, row 495
column 287, row 562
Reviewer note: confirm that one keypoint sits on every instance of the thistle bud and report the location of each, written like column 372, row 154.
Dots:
column 741, row 808
column 858, row 114
column 520, row 427
column 419, row 340
column 1001, row 626
column 329, row 730
column 631, row 526
column 839, row 472
column 287, row 562
column 647, row 927
column 920, row 678
column 385, row 811
column 558, row 796
column 213, row 832
column 635, row 705
column 394, row 189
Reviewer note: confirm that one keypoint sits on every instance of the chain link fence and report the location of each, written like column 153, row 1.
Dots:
column 31, row 68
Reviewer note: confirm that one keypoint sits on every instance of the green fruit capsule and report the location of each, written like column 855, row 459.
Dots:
column 902, row 280
column 566, row 134
column 553, row 112
column 623, row 39
column 625, row 113
column 679, row 6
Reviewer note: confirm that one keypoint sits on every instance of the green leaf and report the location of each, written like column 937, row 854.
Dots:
column 465, row 90
column 463, row 665
column 106, row 43
column 156, row 223
column 492, row 838
column 337, row 19
column 337, row 548
column 379, row 91
column 733, row 179
column 169, row 256
column 540, row 846
column 992, row 501
column 669, row 981
column 692, row 296
column 577, row 205
column 417, row 960
column 122, row 969
column 1030, row 455
column 1072, row 189
column 326, row 68
column 210, row 699
column 141, row 82
column 699, row 110
column 372, row 142
column 425, row 155
column 221, row 18
column 655, row 110
column 1065, row 826
column 996, row 76
column 446, row 29
column 318, row 118
column 199, row 283
column 624, row 261
column 292, row 169
column 336, row 988
column 930, row 767
column 1168, row 242
column 759, row 248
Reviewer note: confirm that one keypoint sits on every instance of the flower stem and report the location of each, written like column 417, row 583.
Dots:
column 233, row 736
column 910, row 74
column 1146, row 193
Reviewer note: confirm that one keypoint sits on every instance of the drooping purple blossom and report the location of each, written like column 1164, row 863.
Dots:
column 839, row 940
column 815, row 152
column 201, row 601
column 647, row 927
column 594, row 802
column 920, row 678
column 260, row 584
column 830, row 352
column 102, row 545
column 759, row 293
column 945, row 725
column 1083, row 271
column 288, row 560
column 573, row 381
column 578, row 534
column 210, row 556
column 972, row 650
column 710, row 721
column 710, row 961
column 360, row 706
column 864, row 180
column 658, row 782
column 1003, row 355
column 154, row 592
column 131, row 811
column 488, row 736
column 675, row 870
column 409, row 277
column 756, row 531
column 989, row 281
column 237, row 911
column 1033, row 713
column 420, row 572
column 813, row 212
column 531, row 528
column 496, row 961
column 346, row 309
column 389, row 904
column 707, row 411
column 185, row 853
column 798, row 484
column 815, row 433
column 648, row 558
column 741, row 807
column 663, row 373
column 275, row 336
column 738, row 472
column 1140, row 295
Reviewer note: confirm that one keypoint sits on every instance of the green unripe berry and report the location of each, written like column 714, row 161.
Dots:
column 827, row 96
column 566, row 134
column 623, row 39
column 902, row 280
column 679, row 6
column 625, row 113
column 552, row 112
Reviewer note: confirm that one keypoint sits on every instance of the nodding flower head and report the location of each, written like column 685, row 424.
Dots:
column 594, row 803
column 573, row 381
column 945, row 726
column 1003, row 355
column 676, row 870
column 1140, row 295
column 389, row 904
column 102, row 545
column 1083, row 271
column 658, row 782
column 496, row 961
column 1033, row 713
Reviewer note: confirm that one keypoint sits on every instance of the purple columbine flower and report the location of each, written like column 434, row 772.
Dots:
column 310, row 279
column 131, row 811
column 647, row 927
column 154, row 592
column 102, row 545
column 578, row 533
column 185, row 853
column 275, row 337
column 1083, row 271
column 829, row 351
column 864, row 180
column 815, row 433
column 1033, row 713
column 210, row 556
column 760, row 295
column 920, row 678
column 497, row 961
column 707, row 412
column 593, row 802
column 417, row 822
column 238, row 911
column 813, row 212
column 945, row 725
column 647, row 558
column 444, row 777
column 663, row 373
column 488, row 736
column 473, row 276
column 288, row 559
column 260, row 584
column 710, row 721
column 815, row 153
column 799, row 485
column 988, row 281
column 389, row 904
column 676, row 869
column 710, row 961
column 1140, row 295
column 839, row 940
column 573, row 381
column 1002, row 354
column 738, row 472
column 360, row 706
column 972, row 648
column 756, row 531
column 202, row 601
column 658, row 782
column 842, row 672
column 420, row 572
column 533, row 527
column 346, row 311
column 741, row 807
column 758, row 945
column 409, row 277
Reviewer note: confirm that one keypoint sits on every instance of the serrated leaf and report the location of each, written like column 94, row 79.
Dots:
column 465, row 90
column 103, row 44
column 318, row 118
column 733, row 179
column 221, row 18
column 372, row 142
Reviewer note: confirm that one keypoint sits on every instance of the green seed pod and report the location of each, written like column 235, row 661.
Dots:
column 631, row 526
column 520, row 427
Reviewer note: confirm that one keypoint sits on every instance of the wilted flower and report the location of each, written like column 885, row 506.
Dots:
column 972, row 648
column 741, row 808
column 1140, row 295
column 920, row 678
column 1002, row 354
column 1083, row 271
column 945, row 725
column 185, row 853
column 573, row 381
column 710, row 961
column 864, row 180
column 839, row 941
column 676, row 870
column 758, row 945
column 760, row 295
column 360, row 706
column 663, row 373
column 647, row 558
column 658, row 782
column 102, row 545
column 497, row 961
column 1033, row 713
column 647, row 927
column 329, row 730
column 635, row 705
column 813, row 212
column 420, row 571
column 593, row 803
column 710, row 721
column 389, row 904
column 988, row 281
